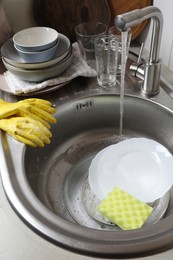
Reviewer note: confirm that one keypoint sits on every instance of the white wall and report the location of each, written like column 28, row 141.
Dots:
column 167, row 37
column 19, row 13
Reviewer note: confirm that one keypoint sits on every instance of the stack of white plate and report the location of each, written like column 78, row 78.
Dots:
column 36, row 72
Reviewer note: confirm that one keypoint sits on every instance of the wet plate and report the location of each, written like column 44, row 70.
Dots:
column 82, row 203
column 140, row 166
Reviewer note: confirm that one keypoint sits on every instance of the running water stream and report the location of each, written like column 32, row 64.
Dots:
column 124, row 36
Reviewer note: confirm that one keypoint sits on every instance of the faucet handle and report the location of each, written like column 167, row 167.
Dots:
column 137, row 69
column 140, row 53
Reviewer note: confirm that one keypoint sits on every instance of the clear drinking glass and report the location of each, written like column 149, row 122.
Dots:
column 86, row 34
column 106, row 54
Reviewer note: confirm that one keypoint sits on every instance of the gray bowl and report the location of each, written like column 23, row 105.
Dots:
column 38, row 75
column 37, row 56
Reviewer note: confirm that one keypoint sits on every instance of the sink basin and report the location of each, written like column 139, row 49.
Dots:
column 35, row 180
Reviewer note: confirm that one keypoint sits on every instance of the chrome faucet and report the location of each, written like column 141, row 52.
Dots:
column 152, row 67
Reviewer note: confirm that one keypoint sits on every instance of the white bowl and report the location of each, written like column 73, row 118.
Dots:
column 140, row 166
column 35, row 39
column 38, row 56
column 11, row 55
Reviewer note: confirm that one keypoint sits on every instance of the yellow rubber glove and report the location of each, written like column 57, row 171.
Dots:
column 26, row 130
column 37, row 109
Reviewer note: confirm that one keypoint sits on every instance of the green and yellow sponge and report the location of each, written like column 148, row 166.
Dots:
column 124, row 210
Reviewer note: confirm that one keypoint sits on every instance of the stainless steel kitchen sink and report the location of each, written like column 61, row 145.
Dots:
column 35, row 179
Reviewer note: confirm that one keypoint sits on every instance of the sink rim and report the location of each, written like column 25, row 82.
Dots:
column 69, row 235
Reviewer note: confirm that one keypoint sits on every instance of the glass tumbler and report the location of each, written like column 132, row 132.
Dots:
column 106, row 54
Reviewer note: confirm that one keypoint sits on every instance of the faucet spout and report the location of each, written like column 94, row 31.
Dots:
column 152, row 67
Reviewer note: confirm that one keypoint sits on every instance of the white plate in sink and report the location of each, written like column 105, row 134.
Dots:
column 140, row 166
